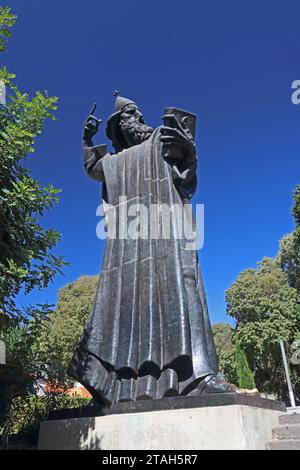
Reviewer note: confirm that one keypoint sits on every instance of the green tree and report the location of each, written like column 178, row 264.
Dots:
column 41, row 345
column 26, row 415
column 25, row 364
column 64, row 326
column 266, row 309
column 26, row 258
column 244, row 373
column 289, row 247
column 7, row 20
column 31, row 356
column 223, row 338
column 21, row 339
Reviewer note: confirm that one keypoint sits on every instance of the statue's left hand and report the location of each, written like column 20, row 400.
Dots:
column 178, row 136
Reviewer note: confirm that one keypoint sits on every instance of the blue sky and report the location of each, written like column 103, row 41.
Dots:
column 230, row 62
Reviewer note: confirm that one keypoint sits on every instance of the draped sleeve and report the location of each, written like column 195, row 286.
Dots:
column 92, row 160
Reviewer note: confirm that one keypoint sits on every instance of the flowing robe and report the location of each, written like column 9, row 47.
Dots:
column 148, row 334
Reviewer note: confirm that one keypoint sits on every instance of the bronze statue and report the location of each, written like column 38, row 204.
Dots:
column 149, row 333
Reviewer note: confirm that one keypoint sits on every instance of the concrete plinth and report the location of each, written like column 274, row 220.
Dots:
column 232, row 426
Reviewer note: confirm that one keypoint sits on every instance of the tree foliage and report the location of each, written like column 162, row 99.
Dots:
column 26, row 258
column 62, row 331
column 266, row 309
column 25, row 415
column 289, row 247
column 225, row 348
column 223, row 337
column 244, row 373
column 26, row 248
column 7, row 20
column 22, row 339
column 25, row 363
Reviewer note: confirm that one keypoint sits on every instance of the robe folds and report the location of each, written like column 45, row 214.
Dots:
column 148, row 334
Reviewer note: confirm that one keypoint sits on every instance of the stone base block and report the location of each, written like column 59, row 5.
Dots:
column 235, row 426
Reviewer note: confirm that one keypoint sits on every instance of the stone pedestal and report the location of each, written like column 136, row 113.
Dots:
column 221, row 421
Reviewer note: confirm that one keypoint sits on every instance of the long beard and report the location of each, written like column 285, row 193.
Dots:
column 136, row 132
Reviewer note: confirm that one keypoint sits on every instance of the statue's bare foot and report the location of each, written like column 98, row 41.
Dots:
column 215, row 384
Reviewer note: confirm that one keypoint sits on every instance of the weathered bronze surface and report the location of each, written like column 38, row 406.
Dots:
column 149, row 333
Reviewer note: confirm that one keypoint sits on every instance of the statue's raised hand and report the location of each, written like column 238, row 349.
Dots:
column 91, row 125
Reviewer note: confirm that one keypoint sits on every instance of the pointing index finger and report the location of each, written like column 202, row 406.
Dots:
column 93, row 108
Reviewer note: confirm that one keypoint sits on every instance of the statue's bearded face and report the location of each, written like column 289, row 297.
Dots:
column 133, row 127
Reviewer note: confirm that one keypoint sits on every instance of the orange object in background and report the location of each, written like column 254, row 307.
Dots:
column 77, row 391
